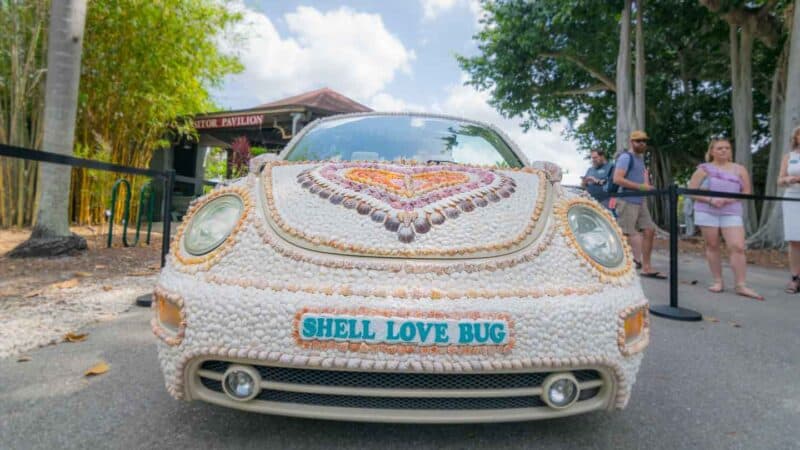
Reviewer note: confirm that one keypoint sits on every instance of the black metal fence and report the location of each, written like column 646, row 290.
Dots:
column 168, row 177
column 673, row 191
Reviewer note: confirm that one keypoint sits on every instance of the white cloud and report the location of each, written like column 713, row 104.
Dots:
column 431, row 9
column 348, row 51
column 386, row 102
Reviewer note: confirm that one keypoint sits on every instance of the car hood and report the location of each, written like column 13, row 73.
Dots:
column 397, row 210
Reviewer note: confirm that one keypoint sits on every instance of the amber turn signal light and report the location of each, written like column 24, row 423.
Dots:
column 169, row 315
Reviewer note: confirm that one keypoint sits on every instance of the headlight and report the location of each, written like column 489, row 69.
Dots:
column 212, row 224
column 596, row 236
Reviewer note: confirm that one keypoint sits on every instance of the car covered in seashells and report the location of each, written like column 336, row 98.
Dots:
column 400, row 268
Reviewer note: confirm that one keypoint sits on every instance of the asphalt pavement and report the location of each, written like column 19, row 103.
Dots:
column 730, row 381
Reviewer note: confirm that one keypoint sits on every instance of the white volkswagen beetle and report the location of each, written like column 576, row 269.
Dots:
column 400, row 268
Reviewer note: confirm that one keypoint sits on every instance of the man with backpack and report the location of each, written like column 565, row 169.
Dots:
column 596, row 176
column 630, row 175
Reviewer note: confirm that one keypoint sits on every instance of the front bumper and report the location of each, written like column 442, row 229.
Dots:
column 224, row 324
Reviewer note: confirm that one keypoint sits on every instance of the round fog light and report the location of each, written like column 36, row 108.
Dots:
column 560, row 390
column 241, row 382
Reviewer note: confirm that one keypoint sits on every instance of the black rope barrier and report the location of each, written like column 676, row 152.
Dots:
column 673, row 310
column 168, row 176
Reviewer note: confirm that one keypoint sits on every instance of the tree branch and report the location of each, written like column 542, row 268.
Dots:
column 596, row 74
column 599, row 87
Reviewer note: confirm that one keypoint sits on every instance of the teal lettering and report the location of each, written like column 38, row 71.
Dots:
column 353, row 324
column 309, row 327
column 390, row 334
column 324, row 327
column 484, row 327
column 464, row 333
column 407, row 332
column 341, row 331
column 366, row 333
column 497, row 332
column 441, row 333
column 424, row 330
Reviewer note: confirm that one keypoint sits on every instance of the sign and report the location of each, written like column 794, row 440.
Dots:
column 418, row 331
column 253, row 120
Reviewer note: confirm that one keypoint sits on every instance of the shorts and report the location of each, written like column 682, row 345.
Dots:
column 633, row 218
column 704, row 219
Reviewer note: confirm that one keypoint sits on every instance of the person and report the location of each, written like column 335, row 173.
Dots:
column 716, row 214
column 789, row 178
column 595, row 179
column 633, row 216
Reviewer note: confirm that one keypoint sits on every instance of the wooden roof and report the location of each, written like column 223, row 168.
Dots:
column 325, row 98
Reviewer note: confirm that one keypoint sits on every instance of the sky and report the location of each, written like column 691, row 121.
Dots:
column 388, row 55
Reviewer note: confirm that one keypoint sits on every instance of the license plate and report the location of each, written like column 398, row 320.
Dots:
column 407, row 328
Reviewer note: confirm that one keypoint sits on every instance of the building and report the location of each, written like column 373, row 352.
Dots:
column 270, row 125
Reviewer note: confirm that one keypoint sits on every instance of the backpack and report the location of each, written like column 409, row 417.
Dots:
column 611, row 187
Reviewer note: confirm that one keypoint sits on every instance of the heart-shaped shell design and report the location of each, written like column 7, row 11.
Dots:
column 407, row 199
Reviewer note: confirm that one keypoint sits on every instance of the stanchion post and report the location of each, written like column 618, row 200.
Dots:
column 673, row 311
column 169, row 184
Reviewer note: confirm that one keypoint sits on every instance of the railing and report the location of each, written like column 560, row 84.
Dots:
column 168, row 176
column 673, row 311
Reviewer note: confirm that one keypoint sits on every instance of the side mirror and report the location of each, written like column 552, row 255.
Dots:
column 258, row 162
column 553, row 170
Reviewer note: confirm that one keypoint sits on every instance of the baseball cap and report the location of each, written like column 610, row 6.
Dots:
column 639, row 135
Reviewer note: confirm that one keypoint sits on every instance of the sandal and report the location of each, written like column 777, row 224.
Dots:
column 638, row 264
column 656, row 275
column 716, row 287
column 745, row 291
column 793, row 287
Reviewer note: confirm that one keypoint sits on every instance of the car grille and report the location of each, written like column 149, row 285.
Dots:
column 305, row 378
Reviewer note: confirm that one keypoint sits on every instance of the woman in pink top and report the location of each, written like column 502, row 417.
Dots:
column 714, row 214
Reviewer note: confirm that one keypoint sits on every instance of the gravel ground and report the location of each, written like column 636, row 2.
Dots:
column 49, row 313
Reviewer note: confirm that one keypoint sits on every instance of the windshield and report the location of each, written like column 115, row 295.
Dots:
column 393, row 138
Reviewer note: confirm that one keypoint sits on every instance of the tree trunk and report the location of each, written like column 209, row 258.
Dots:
column 51, row 235
column 625, row 107
column 791, row 110
column 741, row 48
column 639, row 89
column 770, row 227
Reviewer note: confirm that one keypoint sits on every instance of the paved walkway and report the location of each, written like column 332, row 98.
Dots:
column 730, row 381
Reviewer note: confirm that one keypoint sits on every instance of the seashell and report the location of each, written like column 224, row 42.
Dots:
column 467, row 206
column 511, row 189
column 451, row 212
column 364, row 208
column 378, row 216
column 437, row 218
column 405, row 234
column 392, row 223
column 493, row 197
column 336, row 199
column 314, row 189
column 306, row 184
column 324, row 193
column 421, row 225
column 480, row 201
column 504, row 193
column 349, row 203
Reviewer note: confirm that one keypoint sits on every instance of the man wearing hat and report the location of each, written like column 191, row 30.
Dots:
column 633, row 216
